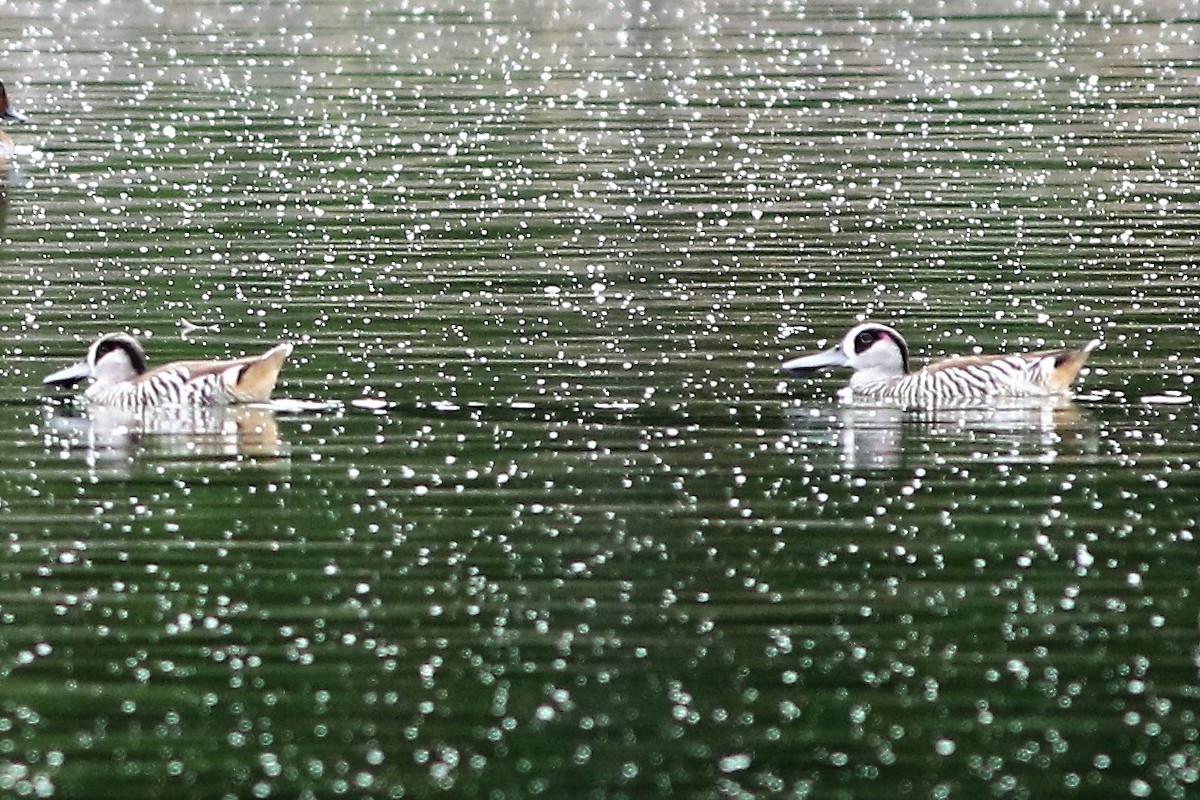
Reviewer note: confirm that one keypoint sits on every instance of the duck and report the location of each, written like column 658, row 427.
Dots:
column 122, row 379
column 878, row 355
column 8, row 112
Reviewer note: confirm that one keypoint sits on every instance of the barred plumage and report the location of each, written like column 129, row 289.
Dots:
column 879, row 357
column 120, row 377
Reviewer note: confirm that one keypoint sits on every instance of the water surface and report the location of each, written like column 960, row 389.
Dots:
column 562, row 528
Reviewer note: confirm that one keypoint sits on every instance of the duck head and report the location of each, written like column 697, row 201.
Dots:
column 113, row 358
column 872, row 350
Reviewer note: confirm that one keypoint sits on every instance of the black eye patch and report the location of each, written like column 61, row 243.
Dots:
column 106, row 347
column 134, row 354
column 865, row 340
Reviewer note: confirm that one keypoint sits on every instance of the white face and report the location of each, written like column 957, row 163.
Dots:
column 872, row 348
column 876, row 348
column 115, row 358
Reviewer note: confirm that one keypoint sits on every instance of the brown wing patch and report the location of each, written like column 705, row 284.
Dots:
column 195, row 369
column 254, row 379
column 961, row 362
column 1067, row 363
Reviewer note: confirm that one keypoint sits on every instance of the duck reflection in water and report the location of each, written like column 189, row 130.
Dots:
column 884, row 436
column 116, row 439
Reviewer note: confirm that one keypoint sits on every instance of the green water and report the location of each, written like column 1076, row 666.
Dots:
column 561, row 527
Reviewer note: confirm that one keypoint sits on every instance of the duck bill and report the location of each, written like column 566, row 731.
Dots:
column 14, row 115
column 68, row 376
column 806, row 365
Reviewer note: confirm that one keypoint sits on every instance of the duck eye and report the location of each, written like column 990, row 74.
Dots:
column 104, row 348
column 865, row 338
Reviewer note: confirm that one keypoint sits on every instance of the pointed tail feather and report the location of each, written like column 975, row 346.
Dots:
column 1067, row 365
column 256, row 380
